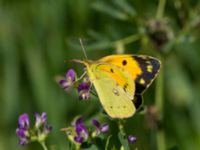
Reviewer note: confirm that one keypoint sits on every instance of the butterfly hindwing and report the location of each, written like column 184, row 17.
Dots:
column 109, row 82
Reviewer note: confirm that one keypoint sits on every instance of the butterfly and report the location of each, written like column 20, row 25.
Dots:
column 120, row 81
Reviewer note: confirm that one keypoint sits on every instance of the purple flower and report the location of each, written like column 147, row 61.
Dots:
column 79, row 139
column 84, row 90
column 40, row 119
column 78, row 121
column 70, row 79
column 104, row 128
column 23, row 121
column 132, row 139
column 100, row 128
column 27, row 134
column 81, row 130
column 22, row 130
column 23, row 137
column 23, row 141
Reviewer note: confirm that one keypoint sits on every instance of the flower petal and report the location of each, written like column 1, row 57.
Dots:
column 44, row 117
column 96, row 123
column 79, row 139
column 23, row 141
column 40, row 119
column 79, row 121
column 71, row 75
column 104, row 128
column 83, row 86
column 64, row 84
column 132, row 139
column 20, row 132
column 23, row 121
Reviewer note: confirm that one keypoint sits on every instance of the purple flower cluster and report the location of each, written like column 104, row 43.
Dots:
column 83, row 88
column 80, row 133
column 41, row 129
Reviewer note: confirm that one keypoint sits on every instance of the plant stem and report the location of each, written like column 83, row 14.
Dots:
column 119, row 44
column 160, row 9
column 160, row 135
column 159, row 91
column 129, row 39
column 121, row 126
column 119, row 47
column 43, row 145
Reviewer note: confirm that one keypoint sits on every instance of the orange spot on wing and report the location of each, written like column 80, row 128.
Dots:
column 115, row 75
column 132, row 65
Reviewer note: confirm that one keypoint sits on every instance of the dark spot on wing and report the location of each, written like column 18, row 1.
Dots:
column 124, row 62
column 111, row 70
column 125, row 86
column 111, row 107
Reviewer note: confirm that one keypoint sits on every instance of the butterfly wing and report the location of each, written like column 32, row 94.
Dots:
column 143, row 69
column 115, row 89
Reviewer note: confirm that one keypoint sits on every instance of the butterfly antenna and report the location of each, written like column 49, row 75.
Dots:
column 81, row 42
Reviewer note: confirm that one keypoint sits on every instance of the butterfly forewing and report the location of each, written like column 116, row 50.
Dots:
column 150, row 67
column 143, row 69
column 114, row 88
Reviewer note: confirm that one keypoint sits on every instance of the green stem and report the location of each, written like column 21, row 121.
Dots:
column 160, row 9
column 129, row 39
column 121, row 127
column 122, row 136
column 161, row 145
column 77, row 146
column 159, row 91
column 161, row 140
column 44, row 145
column 120, row 48
column 119, row 44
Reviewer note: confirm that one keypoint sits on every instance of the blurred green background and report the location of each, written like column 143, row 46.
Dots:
column 36, row 36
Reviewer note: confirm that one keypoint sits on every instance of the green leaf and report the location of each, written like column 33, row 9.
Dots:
column 107, row 142
column 110, row 10
column 92, row 147
column 125, row 7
